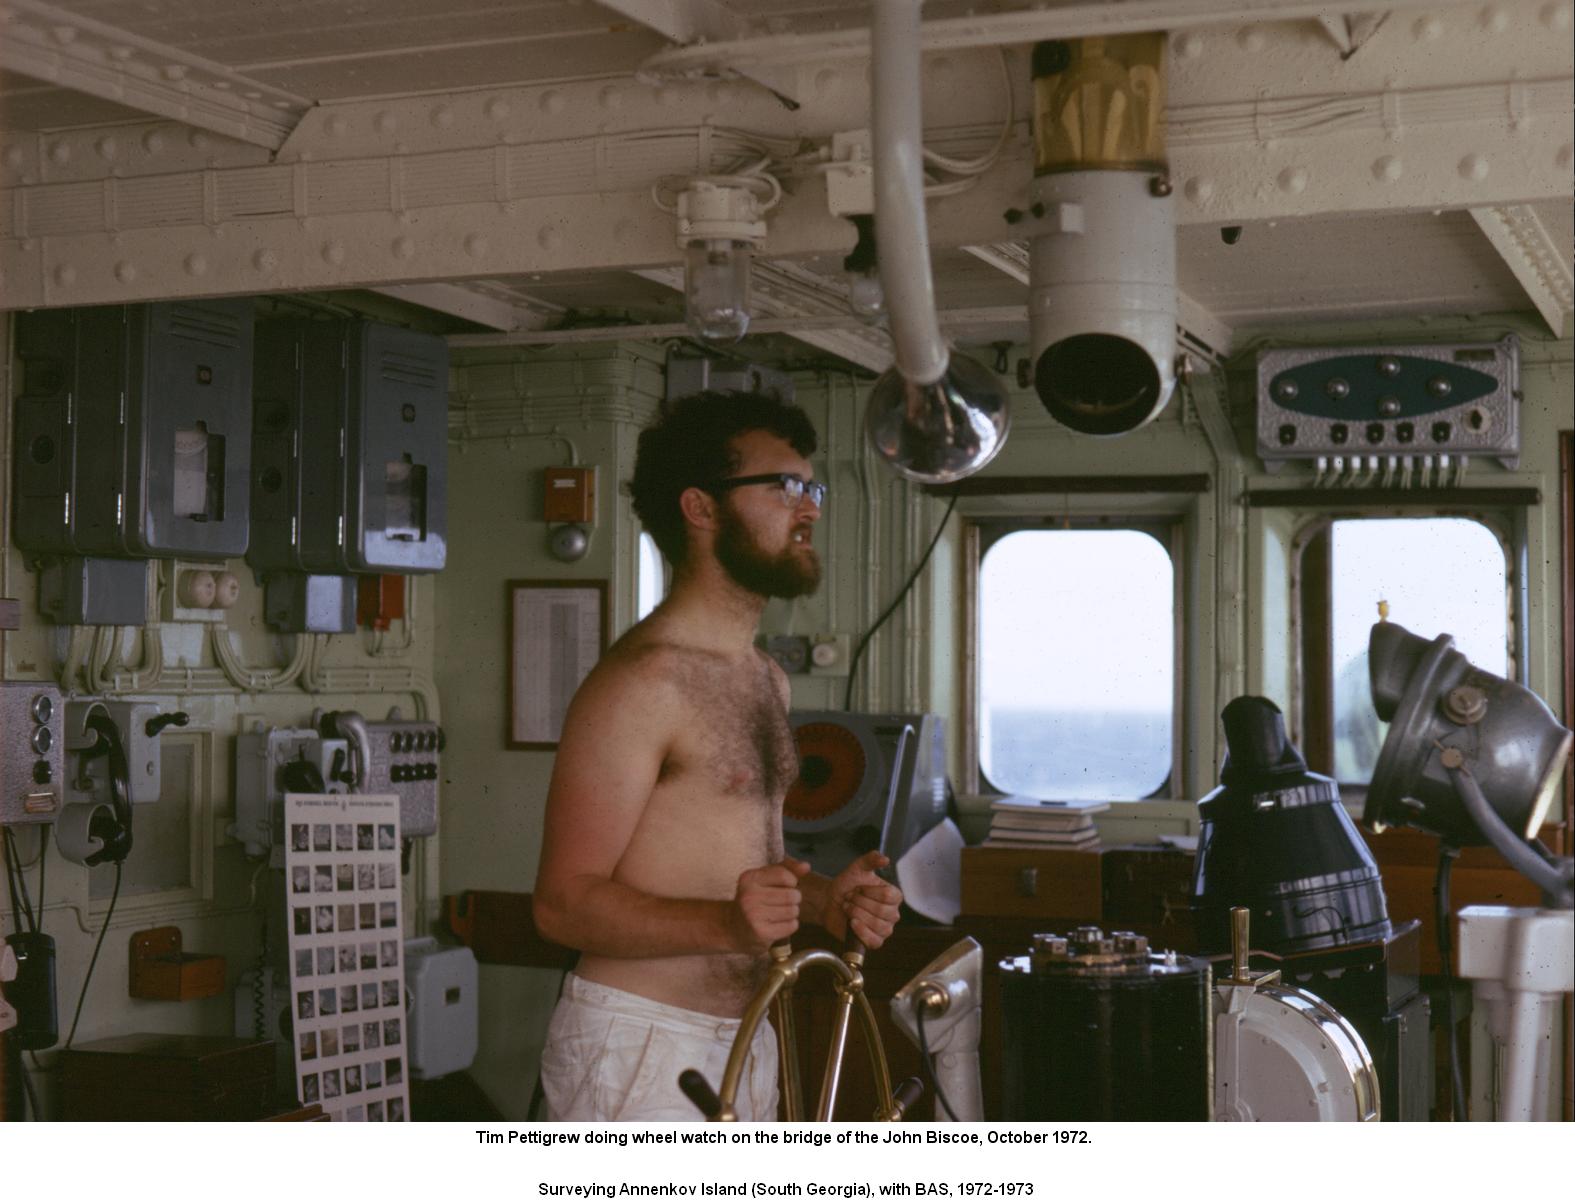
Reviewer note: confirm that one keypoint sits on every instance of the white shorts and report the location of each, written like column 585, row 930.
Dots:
column 612, row 1056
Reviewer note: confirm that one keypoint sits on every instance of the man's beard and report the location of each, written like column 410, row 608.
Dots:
column 784, row 575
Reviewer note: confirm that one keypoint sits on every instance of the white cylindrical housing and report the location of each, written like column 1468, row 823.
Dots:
column 1102, row 300
column 901, row 232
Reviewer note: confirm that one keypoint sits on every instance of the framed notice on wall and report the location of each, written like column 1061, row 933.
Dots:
column 557, row 631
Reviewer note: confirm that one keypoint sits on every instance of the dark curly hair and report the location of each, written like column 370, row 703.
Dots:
column 690, row 445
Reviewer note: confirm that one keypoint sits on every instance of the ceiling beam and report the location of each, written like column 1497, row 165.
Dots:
column 1013, row 28
column 791, row 293
column 1523, row 242
column 468, row 304
column 60, row 47
column 798, row 327
column 511, row 182
column 689, row 22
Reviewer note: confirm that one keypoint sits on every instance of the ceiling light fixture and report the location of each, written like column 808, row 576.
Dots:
column 721, row 223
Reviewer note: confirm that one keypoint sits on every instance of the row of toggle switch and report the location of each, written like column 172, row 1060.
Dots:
column 400, row 773
column 1375, row 432
column 415, row 740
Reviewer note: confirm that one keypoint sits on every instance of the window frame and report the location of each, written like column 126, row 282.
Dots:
column 1312, row 699
column 980, row 534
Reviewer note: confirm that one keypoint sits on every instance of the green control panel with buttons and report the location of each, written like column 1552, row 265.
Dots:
column 1446, row 403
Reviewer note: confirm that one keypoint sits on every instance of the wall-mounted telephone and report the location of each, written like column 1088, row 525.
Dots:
column 112, row 763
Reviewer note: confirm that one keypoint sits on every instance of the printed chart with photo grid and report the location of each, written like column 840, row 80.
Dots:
column 347, row 969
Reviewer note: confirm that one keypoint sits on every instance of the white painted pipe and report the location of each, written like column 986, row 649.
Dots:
column 902, row 236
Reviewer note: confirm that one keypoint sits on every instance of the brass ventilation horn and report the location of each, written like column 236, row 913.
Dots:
column 777, row 994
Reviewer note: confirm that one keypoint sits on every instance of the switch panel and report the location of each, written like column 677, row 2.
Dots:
column 397, row 457
column 134, row 430
column 1388, row 402
column 406, row 759
column 32, row 762
column 351, row 447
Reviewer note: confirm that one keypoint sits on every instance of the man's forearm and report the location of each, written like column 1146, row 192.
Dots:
column 604, row 917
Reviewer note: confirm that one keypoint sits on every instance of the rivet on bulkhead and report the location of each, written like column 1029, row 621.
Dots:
column 475, row 245
column 1474, row 167
column 1556, row 16
column 153, row 141
column 385, row 122
column 65, row 275
column 1428, row 28
column 1190, row 45
column 551, row 102
column 13, row 156
column 548, row 238
column 173, row 71
column 196, row 264
column 121, row 53
column 60, row 152
column 1495, row 19
column 1199, row 189
column 265, row 260
column 64, row 34
column 125, row 272
column 335, row 125
column 497, row 108
column 1293, row 180
column 198, row 140
column 107, row 148
column 404, row 248
column 1387, row 169
column 1251, row 38
column 334, row 252
column 442, row 117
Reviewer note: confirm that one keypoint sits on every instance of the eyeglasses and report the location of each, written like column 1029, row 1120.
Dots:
column 794, row 488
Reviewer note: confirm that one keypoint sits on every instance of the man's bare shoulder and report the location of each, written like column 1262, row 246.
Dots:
column 648, row 659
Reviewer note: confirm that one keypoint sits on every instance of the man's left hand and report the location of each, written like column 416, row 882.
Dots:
column 861, row 897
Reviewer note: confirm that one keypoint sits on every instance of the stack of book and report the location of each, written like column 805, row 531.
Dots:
column 1022, row 821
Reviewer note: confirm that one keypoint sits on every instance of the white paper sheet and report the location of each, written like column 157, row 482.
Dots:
column 930, row 874
column 347, row 971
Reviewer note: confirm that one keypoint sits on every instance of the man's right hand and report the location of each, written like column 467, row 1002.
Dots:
column 766, row 905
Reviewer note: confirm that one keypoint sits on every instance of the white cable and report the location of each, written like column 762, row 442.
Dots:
column 985, row 161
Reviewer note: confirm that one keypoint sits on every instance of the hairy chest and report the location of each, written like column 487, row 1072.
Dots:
column 736, row 740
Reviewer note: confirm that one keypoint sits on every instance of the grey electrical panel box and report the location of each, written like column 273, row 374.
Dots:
column 406, row 760
column 1432, row 402
column 94, row 592
column 351, row 449
column 32, row 754
column 133, row 434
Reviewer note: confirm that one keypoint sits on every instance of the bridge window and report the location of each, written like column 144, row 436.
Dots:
column 650, row 581
column 1076, row 663
column 1435, row 575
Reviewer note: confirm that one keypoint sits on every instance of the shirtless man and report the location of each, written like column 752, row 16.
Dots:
column 663, row 859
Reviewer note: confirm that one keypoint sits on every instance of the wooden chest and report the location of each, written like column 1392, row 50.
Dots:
column 168, row 1077
column 1030, row 882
